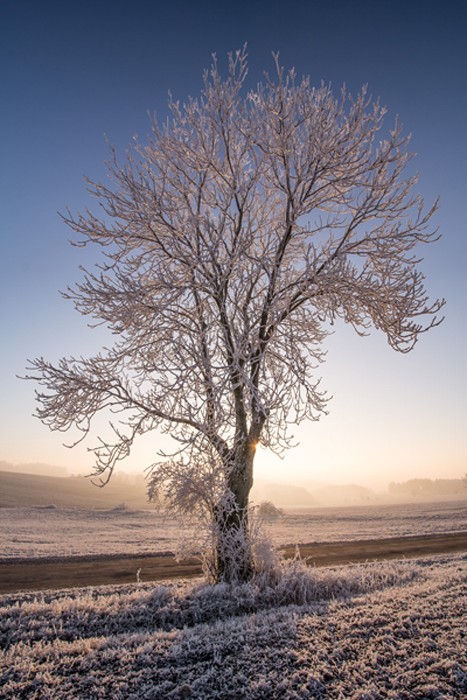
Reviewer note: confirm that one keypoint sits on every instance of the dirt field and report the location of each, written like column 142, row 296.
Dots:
column 74, row 572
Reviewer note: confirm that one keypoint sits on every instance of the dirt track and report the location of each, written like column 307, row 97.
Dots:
column 67, row 573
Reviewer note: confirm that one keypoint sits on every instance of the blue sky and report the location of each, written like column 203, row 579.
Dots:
column 76, row 73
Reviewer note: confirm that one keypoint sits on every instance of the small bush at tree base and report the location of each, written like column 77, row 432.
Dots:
column 268, row 510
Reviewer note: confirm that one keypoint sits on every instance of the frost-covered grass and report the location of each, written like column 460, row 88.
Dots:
column 383, row 630
column 57, row 532
column 394, row 629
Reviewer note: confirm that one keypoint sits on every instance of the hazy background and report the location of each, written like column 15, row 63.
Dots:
column 74, row 72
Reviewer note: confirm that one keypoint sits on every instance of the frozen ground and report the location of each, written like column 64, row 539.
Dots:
column 54, row 532
column 364, row 632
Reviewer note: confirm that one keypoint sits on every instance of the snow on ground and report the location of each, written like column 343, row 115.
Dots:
column 362, row 632
column 56, row 532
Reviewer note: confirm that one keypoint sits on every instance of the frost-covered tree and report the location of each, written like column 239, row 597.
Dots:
column 232, row 239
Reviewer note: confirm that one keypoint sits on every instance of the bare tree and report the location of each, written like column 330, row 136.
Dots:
column 232, row 239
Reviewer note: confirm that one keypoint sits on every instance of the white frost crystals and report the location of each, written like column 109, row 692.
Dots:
column 384, row 630
column 231, row 240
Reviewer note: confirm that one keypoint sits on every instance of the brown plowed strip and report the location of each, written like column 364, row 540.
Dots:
column 75, row 572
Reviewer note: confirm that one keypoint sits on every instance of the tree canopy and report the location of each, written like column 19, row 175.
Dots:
column 232, row 239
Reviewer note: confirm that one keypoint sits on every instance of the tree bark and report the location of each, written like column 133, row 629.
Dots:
column 234, row 557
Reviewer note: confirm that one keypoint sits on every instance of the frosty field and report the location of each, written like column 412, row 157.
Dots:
column 363, row 632
column 60, row 532
column 392, row 629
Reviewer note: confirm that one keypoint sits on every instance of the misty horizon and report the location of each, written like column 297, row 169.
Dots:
column 131, row 486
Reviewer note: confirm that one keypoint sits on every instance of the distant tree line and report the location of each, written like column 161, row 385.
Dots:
column 422, row 487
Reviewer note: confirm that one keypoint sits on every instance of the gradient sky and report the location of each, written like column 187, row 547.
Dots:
column 74, row 73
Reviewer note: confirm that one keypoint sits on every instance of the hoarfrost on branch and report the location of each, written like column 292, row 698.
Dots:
column 232, row 240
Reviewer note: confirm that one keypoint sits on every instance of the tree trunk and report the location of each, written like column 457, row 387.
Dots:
column 234, row 559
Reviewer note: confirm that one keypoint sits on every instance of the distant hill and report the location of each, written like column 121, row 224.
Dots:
column 428, row 488
column 313, row 494
column 345, row 494
column 282, row 495
column 33, row 468
column 19, row 490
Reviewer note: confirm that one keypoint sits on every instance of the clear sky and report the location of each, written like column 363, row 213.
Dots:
column 74, row 73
